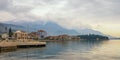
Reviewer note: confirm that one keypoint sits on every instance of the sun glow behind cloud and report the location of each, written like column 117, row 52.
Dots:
column 101, row 15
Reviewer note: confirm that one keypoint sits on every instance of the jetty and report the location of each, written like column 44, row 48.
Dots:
column 7, row 45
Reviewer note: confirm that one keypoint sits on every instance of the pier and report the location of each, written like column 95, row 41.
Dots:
column 7, row 46
column 31, row 44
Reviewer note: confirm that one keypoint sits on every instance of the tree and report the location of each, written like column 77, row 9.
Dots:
column 0, row 36
column 10, row 33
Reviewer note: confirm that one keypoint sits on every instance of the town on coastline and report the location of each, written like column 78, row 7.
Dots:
column 39, row 35
column 12, row 40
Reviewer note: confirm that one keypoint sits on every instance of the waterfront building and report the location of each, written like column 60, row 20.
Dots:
column 42, row 34
column 5, row 36
column 62, row 37
column 34, row 36
column 75, row 38
column 21, row 35
column 52, row 38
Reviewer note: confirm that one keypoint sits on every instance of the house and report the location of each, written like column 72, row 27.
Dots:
column 34, row 35
column 75, row 38
column 52, row 38
column 63, row 37
column 42, row 34
column 20, row 35
column 5, row 36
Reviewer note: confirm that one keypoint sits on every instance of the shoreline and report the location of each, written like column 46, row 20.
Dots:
column 8, row 46
column 56, row 40
column 13, row 45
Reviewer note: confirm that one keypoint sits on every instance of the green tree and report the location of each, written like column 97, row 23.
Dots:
column 0, row 36
column 10, row 33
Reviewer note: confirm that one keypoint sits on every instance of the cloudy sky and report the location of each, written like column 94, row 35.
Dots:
column 100, row 15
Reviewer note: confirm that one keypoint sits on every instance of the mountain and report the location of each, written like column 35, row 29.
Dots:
column 89, row 31
column 55, row 29
column 4, row 27
column 50, row 27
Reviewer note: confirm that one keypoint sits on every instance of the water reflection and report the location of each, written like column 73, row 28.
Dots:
column 75, row 50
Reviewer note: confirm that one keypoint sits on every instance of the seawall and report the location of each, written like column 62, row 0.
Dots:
column 7, row 46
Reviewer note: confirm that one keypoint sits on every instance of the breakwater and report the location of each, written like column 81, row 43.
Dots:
column 7, row 46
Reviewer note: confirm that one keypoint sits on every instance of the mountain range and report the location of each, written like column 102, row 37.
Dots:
column 4, row 27
column 50, row 27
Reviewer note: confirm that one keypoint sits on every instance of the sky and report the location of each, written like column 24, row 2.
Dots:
column 100, row 15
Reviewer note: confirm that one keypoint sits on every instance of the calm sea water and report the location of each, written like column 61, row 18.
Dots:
column 69, row 50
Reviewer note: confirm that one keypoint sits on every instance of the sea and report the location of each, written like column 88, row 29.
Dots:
column 69, row 50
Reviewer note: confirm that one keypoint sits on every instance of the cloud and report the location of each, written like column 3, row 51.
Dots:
column 4, row 4
column 71, row 14
column 63, row 8
column 5, row 16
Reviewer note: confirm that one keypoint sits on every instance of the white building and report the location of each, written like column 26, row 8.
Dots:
column 5, row 36
column 20, row 35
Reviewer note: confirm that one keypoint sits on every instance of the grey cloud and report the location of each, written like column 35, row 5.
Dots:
column 18, row 9
column 8, row 6
column 95, row 8
column 73, row 8
column 4, row 4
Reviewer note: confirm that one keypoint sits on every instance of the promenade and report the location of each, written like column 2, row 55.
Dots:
column 12, row 45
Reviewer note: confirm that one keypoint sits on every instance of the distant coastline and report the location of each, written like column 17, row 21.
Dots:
column 93, row 37
column 115, row 38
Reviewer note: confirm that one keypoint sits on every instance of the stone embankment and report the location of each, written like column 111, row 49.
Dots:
column 12, row 45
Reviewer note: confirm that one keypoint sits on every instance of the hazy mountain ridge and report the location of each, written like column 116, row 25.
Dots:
column 13, row 26
column 51, row 28
column 89, row 31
